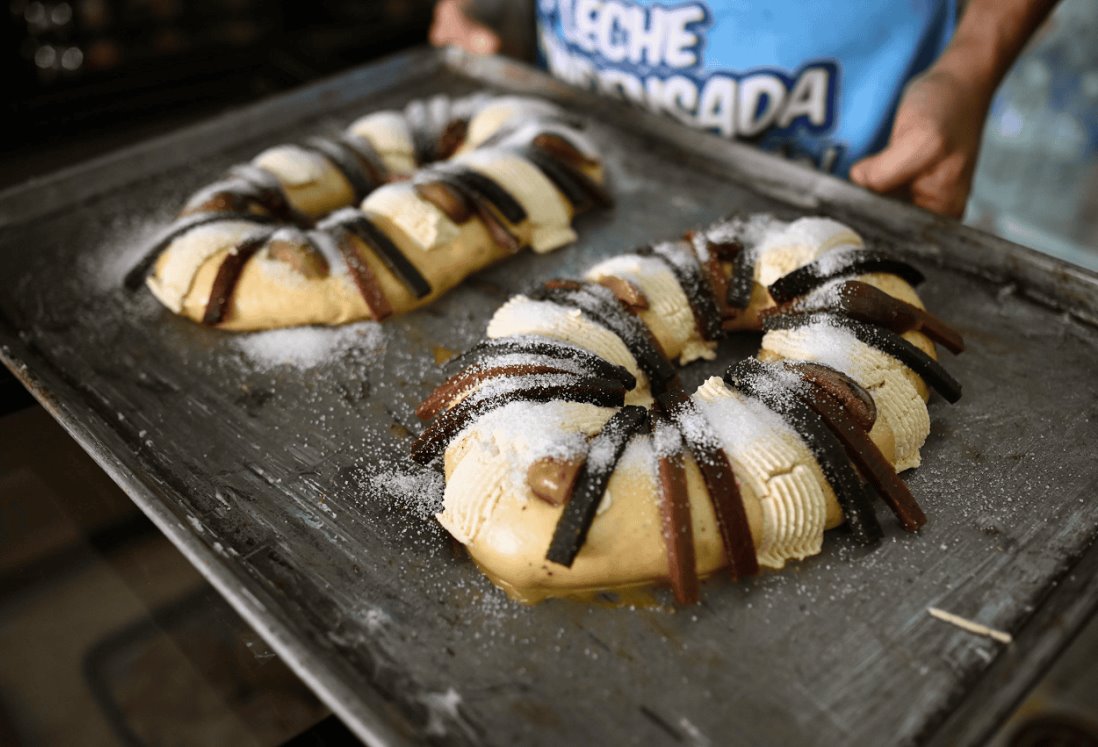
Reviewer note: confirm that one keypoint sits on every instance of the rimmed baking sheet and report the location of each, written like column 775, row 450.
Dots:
column 277, row 462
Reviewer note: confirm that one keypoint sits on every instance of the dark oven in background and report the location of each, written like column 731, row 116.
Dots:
column 73, row 68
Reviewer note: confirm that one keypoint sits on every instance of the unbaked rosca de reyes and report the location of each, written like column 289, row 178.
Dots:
column 575, row 461
column 378, row 220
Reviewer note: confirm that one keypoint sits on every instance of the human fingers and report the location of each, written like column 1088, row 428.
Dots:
column 908, row 154
column 451, row 26
column 944, row 190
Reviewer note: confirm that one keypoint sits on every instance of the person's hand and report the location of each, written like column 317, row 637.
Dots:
column 452, row 26
column 931, row 154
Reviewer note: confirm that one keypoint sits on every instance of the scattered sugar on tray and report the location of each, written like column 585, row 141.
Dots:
column 442, row 709
column 417, row 490
column 1006, row 291
column 307, row 347
column 129, row 240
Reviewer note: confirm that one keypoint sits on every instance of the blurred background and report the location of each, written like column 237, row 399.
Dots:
column 85, row 76
column 117, row 70
column 1037, row 178
column 107, row 635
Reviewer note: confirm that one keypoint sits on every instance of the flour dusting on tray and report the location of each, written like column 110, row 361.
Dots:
column 306, row 347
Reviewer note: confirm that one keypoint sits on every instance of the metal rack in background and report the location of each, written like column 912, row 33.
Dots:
column 72, row 63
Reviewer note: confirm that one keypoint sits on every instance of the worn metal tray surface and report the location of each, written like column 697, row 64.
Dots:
column 277, row 461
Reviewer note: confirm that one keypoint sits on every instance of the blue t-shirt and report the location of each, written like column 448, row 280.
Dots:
column 816, row 80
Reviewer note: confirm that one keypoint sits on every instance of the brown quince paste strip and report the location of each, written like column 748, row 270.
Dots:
column 678, row 528
column 368, row 156
column 296, row 251
column 488, row 190
column 866, row 303
column 228, row 274
column 694, row 285
column 720, row 482
column 451, row 201
column 451, row 138
column 578, row 188
column 562, row 148
column 445, row 393
column 222, row 197
column 497, row 229
column 431, row 443
column 763, row 382
column 625, row 291
column 579, row 513
column 136, row 276
column 386, row 250
column 714, row 273
column 362, row 276
column 836, row 264
column 855, row 400
column 269, row 192
column 725, row 251
column 490, row 349
column 880, row 338
column 862, row 451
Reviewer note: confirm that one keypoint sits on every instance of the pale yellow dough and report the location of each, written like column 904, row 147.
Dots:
column 270, row 293
column 490, row 508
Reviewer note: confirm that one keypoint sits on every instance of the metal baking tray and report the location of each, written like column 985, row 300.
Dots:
column 287, row 485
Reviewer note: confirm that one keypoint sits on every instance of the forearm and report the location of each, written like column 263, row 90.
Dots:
column 990, row 36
